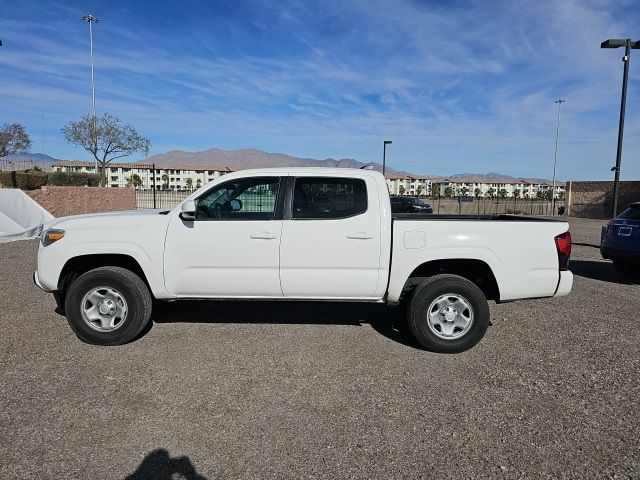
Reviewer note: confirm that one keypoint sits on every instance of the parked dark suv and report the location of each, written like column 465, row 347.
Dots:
column 621, row 241
column 409, row 205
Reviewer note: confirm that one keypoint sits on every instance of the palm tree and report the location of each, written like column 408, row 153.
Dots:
column 516, row 193
column 419, row 190
column 491, row 192
column 502, row 193
column 165, row 180
column 448, row 192
column 134, row 181
column 198, row 183
column 477, row 192
column 435, row 190
column 189, row 182
column 401, row 190
column 464, row 191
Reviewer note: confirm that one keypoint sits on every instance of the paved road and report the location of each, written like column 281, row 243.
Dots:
column 268, row 390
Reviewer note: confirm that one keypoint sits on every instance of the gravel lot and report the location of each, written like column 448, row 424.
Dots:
column 273, row 390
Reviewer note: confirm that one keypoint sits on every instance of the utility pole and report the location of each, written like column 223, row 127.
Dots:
column 91, row 20
column 560, row 101
column 628, row 44
column 384, row 154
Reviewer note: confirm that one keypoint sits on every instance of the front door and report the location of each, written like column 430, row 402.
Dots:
column 331, row 242
column 232, row 248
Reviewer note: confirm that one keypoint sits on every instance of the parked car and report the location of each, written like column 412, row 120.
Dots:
column 620, row 241
column 300, row 234
column 409, row 205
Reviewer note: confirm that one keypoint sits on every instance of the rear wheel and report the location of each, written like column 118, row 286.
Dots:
column 448, row 314
column 108, row 306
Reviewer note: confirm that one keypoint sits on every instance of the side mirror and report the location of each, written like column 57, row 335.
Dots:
column 188, row 210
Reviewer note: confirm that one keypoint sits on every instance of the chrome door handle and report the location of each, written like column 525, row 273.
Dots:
column 360, row 236
column 263, row 236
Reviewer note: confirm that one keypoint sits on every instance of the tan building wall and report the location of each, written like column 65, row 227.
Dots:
column 595, row 199
column 63, row 201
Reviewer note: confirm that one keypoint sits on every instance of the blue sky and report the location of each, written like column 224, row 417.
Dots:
column 460, row 86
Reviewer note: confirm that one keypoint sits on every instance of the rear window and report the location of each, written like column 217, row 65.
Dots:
column 631, row 213
column 329, row 198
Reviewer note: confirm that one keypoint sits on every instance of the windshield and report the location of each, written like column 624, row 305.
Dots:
column 631, row 213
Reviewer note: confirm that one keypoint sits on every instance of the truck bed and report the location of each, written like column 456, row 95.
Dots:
column 486, row 217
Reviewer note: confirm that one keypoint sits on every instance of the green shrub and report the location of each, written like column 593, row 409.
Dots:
column 6, row 180
column 74, row 179
column 31, row 180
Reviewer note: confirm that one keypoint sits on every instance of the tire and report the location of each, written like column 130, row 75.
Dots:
column 123, row 296
column 463, row 322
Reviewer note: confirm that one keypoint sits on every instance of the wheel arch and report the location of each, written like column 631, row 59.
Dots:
column 477, row 271
column 78, row 265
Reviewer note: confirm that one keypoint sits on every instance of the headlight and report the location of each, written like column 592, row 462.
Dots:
column 51, row 235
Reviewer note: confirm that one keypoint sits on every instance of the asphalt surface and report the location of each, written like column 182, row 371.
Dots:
column 273, row 390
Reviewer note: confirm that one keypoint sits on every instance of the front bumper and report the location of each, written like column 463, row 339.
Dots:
column 564, row 284
column 36, row 280
column 611, row 253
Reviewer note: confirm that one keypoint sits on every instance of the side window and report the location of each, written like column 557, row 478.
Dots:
column 327, row 198
column 242, row 199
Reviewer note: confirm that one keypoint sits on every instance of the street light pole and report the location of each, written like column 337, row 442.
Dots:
column 628, row 44
column 560, row 101
column 91, row 19
column 384, row 154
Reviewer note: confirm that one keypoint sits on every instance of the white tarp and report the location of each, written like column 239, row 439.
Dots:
column 20, row 216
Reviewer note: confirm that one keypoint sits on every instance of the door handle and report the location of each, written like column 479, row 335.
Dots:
column 263, row 236
column 360, row 236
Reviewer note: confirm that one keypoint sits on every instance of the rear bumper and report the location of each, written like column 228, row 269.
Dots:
column 36, row 280
column 611, row 253
column 564, row 284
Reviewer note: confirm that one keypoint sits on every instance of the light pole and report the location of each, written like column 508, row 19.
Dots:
column 384, row 154
column 42, row 118
column 560, row 101
column 91, row 20
column 628, row 44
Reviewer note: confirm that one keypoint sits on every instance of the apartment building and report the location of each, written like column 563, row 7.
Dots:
column 416, row 185
column 122, row 175
column 411, row 185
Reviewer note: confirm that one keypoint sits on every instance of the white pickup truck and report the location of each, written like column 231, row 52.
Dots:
column 300, row 234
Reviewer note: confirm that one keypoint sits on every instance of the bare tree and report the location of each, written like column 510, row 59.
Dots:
column 14, row 139
column 107, row 140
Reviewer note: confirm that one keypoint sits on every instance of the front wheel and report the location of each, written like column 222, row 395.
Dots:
column 108, row 306
column 448, row 314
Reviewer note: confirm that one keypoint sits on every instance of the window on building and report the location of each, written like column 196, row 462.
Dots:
column 328, row 198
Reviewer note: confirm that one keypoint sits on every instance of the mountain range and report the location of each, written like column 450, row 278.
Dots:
column 219, row 159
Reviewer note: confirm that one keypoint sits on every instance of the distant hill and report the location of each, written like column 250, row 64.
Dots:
column 219, row 159
column 250, row 158
column 22, row 161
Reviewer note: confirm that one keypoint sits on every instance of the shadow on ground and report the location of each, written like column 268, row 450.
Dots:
column 600, row 270
column 158, row 465
column 387, row 321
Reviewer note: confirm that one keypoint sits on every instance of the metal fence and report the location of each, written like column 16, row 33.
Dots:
column 7, row 165
column 494, row 206
column 155, row 187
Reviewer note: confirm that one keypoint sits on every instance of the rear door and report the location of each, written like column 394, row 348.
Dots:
column 331, row 235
